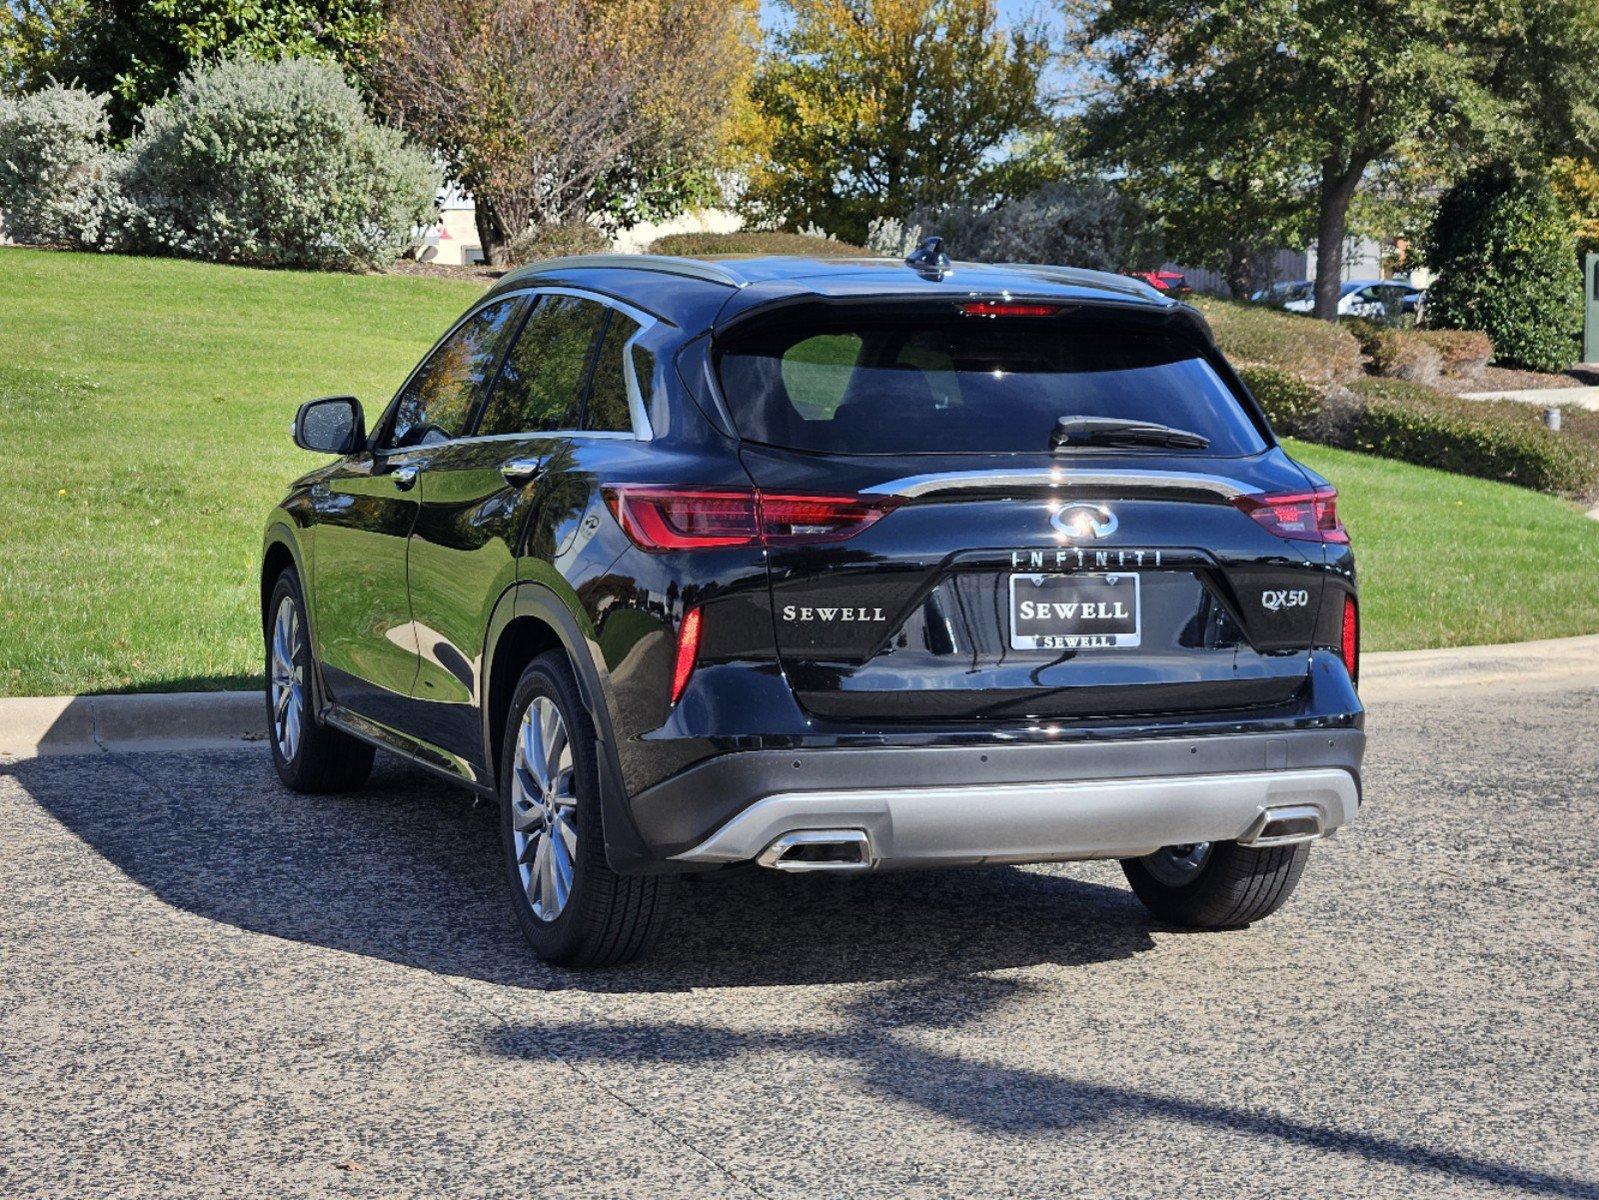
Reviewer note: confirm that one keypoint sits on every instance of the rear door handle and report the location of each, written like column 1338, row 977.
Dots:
column 520, row 472
column 404, row 477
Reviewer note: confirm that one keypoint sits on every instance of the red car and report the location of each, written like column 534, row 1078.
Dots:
column 1173, row 283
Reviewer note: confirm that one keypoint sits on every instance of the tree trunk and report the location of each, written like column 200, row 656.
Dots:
column 1236, row 272
column 491, row 233
column 1338, row 183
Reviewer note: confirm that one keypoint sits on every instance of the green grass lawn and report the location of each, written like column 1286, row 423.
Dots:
column 144, row 410
column 1448, row 560
column 145, row 404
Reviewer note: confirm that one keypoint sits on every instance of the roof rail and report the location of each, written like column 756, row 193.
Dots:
column 689, row 268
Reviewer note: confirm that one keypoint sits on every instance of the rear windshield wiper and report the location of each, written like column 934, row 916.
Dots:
column 1115, row 431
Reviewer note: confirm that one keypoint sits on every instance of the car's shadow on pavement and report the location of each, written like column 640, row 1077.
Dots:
column 407, row 870
column 880, row 1035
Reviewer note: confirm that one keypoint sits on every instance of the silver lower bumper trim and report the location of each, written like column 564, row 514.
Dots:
column 1037, row 822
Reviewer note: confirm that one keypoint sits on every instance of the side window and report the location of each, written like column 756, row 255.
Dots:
column 608, row 407
column 541, row 385
column 438, row 400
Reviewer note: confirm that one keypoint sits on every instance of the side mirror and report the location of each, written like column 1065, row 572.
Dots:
column 332, row 425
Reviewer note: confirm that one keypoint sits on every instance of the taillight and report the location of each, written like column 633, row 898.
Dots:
column 1007, row 308
column 671, row 518
column 688, row 652
column 1350, row 643
column 1298, row 516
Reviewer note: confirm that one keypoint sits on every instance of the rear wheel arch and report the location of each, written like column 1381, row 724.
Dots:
column 531, row 619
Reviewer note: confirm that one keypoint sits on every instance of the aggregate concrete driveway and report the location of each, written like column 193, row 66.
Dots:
column 211, row 987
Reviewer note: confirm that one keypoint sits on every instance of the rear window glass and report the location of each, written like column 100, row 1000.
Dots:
column 972, row 384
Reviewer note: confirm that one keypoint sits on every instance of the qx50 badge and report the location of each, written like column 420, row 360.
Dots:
column 1275, row 601
column 1084, row 521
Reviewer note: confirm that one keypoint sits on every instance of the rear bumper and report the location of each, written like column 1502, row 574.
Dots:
column 1036, row 822
column 1035, row 802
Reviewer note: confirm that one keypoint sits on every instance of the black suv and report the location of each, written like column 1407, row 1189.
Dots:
column 825, row 566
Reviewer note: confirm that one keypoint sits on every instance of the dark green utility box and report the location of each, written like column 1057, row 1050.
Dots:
column 1590, row 309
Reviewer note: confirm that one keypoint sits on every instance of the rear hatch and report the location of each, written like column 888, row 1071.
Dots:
column 999, row 563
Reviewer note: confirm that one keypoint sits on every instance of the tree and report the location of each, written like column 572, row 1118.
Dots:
column 136, row 50
column 1346, row 85
column 1219, row 201
column 1576, row 183
column 872, row 108
column 1506, row 258
column 555, row 111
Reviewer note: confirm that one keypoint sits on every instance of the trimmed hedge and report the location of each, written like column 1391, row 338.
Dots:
column 1465, row 352
column 1294, row 406
column 1421, row 355
column 1254, row 335
column 1419, row 425
column 1395, row 419
column 804, row 245
column 558, row 241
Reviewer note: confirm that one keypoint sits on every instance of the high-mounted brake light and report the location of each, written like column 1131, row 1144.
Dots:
column 671, row 518
column 1299, row 516
column 1007, row 308
column 688, row 652
column 1349, row 647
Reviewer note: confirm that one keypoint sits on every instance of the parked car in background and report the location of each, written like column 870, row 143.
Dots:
column 824, row 566
column 1285, row 292
column 1379, row 299
column 1170, row 283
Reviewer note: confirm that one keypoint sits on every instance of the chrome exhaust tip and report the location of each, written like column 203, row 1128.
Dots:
column 1284, row 826
column 819, row 850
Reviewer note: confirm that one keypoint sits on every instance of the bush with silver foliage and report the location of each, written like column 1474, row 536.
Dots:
column 274, row 164
column 56, row 185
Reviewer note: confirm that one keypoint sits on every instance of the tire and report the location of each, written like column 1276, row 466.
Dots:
column 310, row 757
column 572, row 908
column 1221, row 885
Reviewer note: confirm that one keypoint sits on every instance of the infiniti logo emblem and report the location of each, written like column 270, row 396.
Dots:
column 1085, row 521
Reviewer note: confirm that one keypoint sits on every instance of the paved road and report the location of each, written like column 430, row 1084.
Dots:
column 213, row 988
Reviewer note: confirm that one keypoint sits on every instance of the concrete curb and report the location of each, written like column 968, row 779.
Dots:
column 52, row 725
column 48, row 725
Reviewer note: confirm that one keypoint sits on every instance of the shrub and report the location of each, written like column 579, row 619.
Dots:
column 1293, row 406
column 1394, row 419
column 1251, row 334
column 276, row 164
column 1087, row 223
column 805, row 245
column 1466, row 353
column 1397, row 353
column 555, row 241
column 1419, row 425
column 55, row 168
column 1507, row 266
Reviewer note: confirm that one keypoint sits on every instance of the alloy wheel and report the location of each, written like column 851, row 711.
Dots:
column 544, row 809
column 288, row 678
column 1176, row 866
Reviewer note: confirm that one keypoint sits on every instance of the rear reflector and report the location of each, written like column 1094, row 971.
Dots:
column 1006, row 308
column 1350, row 648
column 1298, row 516
column 670, row 518
column 688, row 652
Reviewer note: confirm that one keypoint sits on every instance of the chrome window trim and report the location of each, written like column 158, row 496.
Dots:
column 639, row 414
column 913, row 486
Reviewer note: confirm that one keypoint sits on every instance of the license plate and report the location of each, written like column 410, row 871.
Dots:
column 1074, row 612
